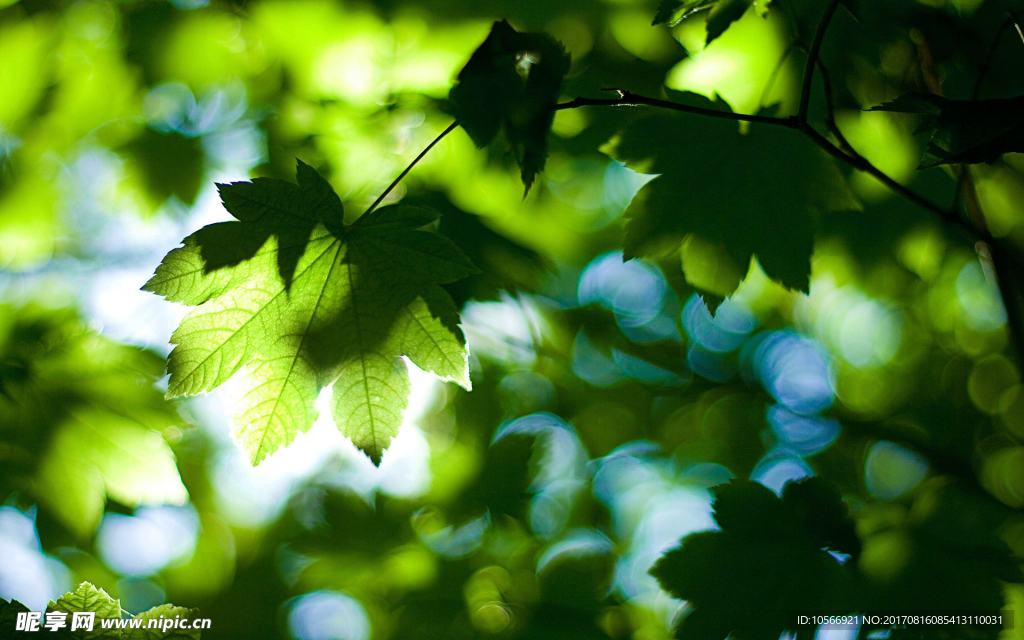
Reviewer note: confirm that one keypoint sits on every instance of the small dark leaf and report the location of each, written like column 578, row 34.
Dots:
column 965, row 131
column 171, row 164
column 511, row 83
column 722, row 13
column 502, row 487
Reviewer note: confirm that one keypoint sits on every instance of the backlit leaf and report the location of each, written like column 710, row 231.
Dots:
column 299, row 301
column 89, row 598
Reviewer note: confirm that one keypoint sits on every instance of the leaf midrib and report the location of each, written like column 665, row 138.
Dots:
column 246, row 323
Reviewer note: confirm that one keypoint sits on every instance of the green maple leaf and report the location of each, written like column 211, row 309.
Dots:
column 301, row 301
column 88, row 598
column 729, row 196
column 767, row 562
column 511, row 83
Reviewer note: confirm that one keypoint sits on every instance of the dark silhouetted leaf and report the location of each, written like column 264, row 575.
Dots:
column 763, row 566
column 9, row 619
column 510, row 83
column 730, row 196
column 965, row 131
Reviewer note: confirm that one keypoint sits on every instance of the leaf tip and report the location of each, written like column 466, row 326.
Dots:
column 375, row 454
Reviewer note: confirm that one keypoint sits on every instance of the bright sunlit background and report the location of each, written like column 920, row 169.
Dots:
column 608, row 398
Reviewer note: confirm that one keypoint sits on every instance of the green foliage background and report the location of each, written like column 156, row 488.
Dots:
column 857, row 338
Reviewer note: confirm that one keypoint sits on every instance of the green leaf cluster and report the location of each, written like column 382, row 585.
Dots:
column 89, row 598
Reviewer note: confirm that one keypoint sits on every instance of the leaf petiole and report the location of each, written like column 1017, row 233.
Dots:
column 412, row 164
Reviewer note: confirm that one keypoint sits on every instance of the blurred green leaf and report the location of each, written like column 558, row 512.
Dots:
column 944, row 555
column 171, row 164
column 323, row 303
column 510, row 83
column 80, row 419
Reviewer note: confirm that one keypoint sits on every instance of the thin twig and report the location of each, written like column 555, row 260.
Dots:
column 812, row 58
column 630, row 99
column 863, row 164
column 990, row 55
column 1003, row 265
column 412, row 164
column 994, row 257
column 830, row 111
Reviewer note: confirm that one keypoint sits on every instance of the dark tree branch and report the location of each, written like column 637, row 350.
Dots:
column 812, row 60
column 630, row 99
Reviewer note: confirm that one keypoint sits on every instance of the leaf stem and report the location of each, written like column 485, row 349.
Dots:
column 412, row 164
column 812, row 59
